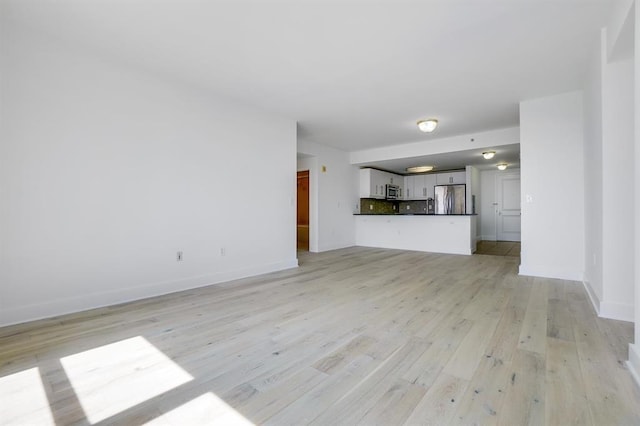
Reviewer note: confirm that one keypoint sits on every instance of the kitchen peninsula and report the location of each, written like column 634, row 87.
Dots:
column 453, row 234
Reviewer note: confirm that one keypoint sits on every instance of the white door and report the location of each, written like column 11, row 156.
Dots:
column 508, row 206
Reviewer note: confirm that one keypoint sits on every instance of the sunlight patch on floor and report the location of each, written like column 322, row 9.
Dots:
column 23, row 400
column 112, row 378
column 205, row 409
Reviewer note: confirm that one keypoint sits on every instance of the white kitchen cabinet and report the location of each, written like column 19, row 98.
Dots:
column 373, row 183
column 420, row 187
column 451, row 178
column 419, row 190
column 429, row 183
column 408, row 187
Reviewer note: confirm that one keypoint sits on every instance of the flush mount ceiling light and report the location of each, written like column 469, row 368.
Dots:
column 419, row 169
column 428, row 126
column 488, row 155
column 502, row 166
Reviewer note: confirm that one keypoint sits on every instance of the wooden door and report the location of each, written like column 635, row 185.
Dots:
column 303, row 210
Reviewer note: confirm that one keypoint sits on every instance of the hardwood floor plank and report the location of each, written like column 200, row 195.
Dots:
column 533, row 336
column 443, row 345
column 353, row 406
column 395, row 405
column 566, row 400
column 558, row 314
column 466, row 358
column 485, row 393
column 524, row 400
column 259, row 406
column 440, row 402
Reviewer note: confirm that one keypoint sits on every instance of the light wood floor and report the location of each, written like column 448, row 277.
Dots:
column 359, row 335
column 498, row 248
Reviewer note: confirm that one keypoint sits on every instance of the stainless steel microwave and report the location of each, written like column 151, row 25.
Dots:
column 392, row 192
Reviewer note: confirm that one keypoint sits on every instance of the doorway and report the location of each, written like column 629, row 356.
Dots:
column 508, row 218
column 303, row 211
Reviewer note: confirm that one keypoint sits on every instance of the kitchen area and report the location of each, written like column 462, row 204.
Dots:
column 350, row 205
column 423, row 210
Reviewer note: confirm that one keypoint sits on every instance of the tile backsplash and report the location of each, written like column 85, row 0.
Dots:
column 375, row 206
column 416, row 207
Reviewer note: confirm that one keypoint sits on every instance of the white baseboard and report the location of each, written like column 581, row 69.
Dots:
column 609, row 310
column 550, row 272
column 595, row 301
column 616, row 311
column 337, row 246
column 21, row 314
column 488, row 237
column 634, row 362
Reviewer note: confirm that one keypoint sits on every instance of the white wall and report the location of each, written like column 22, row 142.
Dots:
column 593, row 179
column 333, row 196
column 634, row 349
column 552, row 178
column 107, row 172
column 609, row 183
column 618, row 185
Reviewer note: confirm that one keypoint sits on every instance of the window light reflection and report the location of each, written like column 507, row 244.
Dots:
column 23, row 400
column 112, row 378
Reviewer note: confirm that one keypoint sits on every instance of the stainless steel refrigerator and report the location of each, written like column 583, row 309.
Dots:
column 451, row 199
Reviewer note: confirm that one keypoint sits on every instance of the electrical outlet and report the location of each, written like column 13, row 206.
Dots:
column 179, row 256
column 370, row 206
column 223, row 251
column 408, row 207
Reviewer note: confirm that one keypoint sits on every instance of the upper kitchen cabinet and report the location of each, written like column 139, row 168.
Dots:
column 414, row 187
column 451, row 178
column 429, row 183
column 409, row 185
column 419, row 187
column 370, row 184
column 373, row 183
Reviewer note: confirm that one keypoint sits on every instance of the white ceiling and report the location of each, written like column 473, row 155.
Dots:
column 355, row 74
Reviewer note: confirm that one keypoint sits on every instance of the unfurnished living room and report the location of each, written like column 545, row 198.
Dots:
column 319, row 212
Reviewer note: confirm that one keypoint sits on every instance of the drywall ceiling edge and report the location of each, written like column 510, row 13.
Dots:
column 465, row 142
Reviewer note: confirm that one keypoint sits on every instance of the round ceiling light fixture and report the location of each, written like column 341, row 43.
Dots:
column 502, row 166
column 488, row 155
column 428, row 125
column 419, row 169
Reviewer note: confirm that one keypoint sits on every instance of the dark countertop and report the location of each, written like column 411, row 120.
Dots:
column 409, row 214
